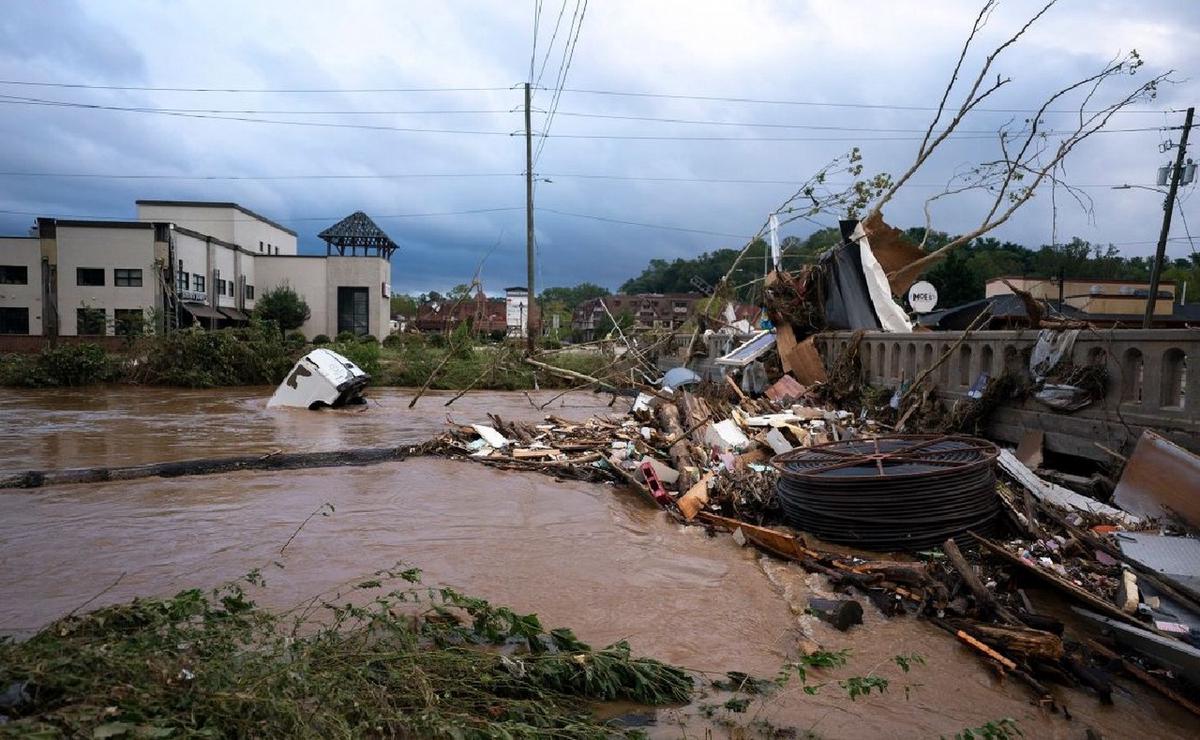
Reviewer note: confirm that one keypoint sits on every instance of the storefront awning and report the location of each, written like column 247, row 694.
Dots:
column 234, row 314
column 201, row 311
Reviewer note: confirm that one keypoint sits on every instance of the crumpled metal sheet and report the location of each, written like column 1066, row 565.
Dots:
column 1063, row 397
column 1178, row 557
column 1161, row 479
column 1052, row 346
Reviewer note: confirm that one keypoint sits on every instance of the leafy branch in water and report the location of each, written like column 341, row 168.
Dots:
column 1001, row 729
column 406, row 662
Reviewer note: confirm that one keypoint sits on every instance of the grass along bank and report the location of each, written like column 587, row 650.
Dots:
column 260, row 355
column 385, row 656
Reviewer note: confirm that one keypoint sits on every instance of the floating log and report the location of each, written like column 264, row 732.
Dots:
column 209, row 466
column 840, row 613
column 1136, row 672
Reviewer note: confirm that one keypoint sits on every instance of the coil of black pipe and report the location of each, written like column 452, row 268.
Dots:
column 898, row 492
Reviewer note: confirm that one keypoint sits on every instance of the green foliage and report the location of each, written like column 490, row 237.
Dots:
column 62, row 366
column 321, row 339
column 364, row 354
column 282, row 306
column 606, row 326
column 368, row 338
column 907, row 660
column 571, row 297
column 392, row 341
column 200, row 358
column 403, row 305
column 857, row 686
column 345, row 336
column 1001, row 729
column 404, row 663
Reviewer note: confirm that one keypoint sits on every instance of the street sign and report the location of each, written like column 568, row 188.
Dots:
column 922, row 296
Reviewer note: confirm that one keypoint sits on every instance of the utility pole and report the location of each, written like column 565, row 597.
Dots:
column 529, row 222
column 1168, row 209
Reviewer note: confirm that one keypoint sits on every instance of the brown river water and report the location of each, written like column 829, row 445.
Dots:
column 588, row 556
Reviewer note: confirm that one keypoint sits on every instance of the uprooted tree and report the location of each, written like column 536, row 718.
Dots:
column 1029, row 154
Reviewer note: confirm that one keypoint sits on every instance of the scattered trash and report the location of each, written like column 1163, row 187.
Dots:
column 321, row 378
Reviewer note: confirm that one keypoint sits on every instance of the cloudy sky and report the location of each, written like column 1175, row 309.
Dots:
column 346, row 75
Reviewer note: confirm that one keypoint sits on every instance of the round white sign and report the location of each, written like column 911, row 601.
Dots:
column 922, row 296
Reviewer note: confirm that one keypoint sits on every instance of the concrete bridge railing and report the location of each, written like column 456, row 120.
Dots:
column 1149, row 383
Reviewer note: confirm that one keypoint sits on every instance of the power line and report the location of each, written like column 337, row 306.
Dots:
column 751, row 124
column 13, row 100
column 124, row 176
column 549, row 47
column 824, row 104
column 451, row 175
column 81, row 217
column 640, row 223
column 563, row 70
column 297, row 90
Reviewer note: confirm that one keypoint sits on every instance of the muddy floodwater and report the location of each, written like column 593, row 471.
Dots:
column 588, row 556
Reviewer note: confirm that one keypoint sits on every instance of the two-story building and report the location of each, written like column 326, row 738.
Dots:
column 188, row 262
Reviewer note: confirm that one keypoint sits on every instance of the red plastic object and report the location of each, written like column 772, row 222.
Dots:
column 655, row 485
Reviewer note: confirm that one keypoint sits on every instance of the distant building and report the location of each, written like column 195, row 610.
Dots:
column 181, row 263
column 649, row 311
column 1099, row 302
column 487, row 315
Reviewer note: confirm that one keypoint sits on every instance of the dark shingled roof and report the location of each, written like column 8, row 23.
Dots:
column 358, row 230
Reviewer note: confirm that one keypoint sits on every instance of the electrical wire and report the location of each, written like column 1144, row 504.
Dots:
column 13, row 100
column 638, row 223
column 563, row 70
column 254, row 90
column 824, row 104
column 68, row 216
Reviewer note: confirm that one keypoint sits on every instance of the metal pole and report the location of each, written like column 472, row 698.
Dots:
column 1168, row 208
column 529, row 223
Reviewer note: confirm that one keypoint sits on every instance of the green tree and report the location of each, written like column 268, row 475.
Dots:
column 571, row 297
column 403, row 305
column 283, row 306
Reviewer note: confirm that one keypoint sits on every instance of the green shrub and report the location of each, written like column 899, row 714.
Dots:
column 436, row 340
column 297, row 337
column 198, row 358
column 321, row 339
column 551, row 344
column 393, row 341
column 345, row 336
column 282, row 306
column 62, row 366
column 368, row 338
column 364, row 354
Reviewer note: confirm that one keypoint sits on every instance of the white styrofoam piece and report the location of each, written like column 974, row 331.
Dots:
column 491, row 436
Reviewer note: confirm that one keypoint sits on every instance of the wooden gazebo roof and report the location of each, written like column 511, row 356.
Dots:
column 358, row 230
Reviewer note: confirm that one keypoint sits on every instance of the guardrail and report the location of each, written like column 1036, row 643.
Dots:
column 1149, row 382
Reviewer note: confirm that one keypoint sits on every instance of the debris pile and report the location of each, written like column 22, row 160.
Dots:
column 953, row 543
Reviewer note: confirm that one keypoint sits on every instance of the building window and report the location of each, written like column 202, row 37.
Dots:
column 198, row 282
column 127, row 278
column 276, row 250
column 14, row 320
column 220, row 287
column 249, row 292
column 89, row 321
column 89, row 276
column 182, row 281
column 14, row 275
column 129, row 322
column 260, row 246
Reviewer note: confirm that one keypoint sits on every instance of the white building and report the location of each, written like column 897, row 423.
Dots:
column 186, row 262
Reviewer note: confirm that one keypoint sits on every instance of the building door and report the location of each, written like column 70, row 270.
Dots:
column 353, row 311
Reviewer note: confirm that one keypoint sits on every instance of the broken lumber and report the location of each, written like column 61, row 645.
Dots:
column 971, row 641
column 983, row 598
column 1022, row 641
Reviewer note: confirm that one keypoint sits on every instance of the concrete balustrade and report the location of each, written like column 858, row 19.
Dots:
column 1149, row 383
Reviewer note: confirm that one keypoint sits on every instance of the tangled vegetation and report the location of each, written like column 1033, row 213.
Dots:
column 397, row 659
column 259, row 355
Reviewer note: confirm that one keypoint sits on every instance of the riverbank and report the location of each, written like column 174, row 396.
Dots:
column 259, row 355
